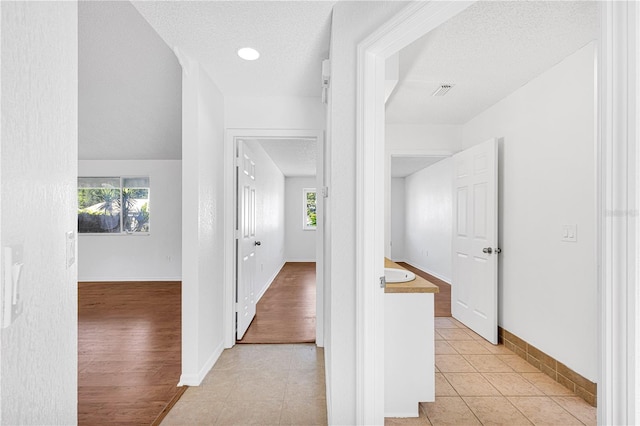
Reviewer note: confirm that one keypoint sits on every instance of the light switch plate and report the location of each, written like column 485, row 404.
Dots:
column 569, row 233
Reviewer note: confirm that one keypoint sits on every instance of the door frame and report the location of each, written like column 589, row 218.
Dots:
column 407, row 26
column 230, row 256
column 618, row 191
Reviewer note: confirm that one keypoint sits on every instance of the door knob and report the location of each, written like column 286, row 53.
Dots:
column 487, row 250
column 257, row 243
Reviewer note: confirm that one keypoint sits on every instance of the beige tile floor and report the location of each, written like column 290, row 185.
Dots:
column 258, row 384
column 476, row 384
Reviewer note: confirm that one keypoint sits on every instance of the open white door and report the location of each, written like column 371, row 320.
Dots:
column 474, row 289
column 246, row 241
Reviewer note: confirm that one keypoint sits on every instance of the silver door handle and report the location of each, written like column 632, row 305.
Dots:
column 487, row 250
column 257, row 243
column 498, row 250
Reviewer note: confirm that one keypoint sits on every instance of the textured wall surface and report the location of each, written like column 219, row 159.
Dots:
column 202, row 223
column 547, row 179
column 154, row 257
column 39, row 170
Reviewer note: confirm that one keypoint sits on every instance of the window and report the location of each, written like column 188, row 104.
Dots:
column 113, row 205
column 309, row 209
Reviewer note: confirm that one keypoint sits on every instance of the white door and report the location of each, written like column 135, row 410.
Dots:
column 246, row 241
column 474, row 289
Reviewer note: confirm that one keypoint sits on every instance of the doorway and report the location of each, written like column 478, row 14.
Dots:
column 379, row 46
column 277, row 273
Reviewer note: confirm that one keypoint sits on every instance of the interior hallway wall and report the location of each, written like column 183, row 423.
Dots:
column 548, row 288
column 428, row 220
column 39, row 143
column 300, row 244
column 406, row 139
column 352, row 23
column 397, row 213
column 153, row 257
column 270, row 221
column 203, row 253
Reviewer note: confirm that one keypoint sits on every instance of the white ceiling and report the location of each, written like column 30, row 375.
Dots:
column 405, row 166
column 294, row 157
column 487, row 51
column 291, row 36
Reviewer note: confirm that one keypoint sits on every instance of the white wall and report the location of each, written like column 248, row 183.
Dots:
column 415, row 140
column 300, row 244
column 39, row 169
column 428, row 220
column 270, row 211
column 352, row 22
column 397, row 216
column 548, row 288
column 274, row 112
column 129, row 86
column 202, row 223
column 156, row 257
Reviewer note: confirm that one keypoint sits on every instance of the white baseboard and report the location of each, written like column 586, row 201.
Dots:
column 118, row 279
column 428, row 271
column 196, row 379
column 273, row 277
column 300, row 260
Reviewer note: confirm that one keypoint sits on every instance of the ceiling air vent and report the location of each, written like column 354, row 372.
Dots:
column 442, row 90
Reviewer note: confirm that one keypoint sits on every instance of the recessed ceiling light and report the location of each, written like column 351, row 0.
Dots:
column 248, row 54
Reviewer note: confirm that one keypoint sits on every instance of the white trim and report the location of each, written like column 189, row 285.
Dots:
column 300, row 261
column 231, row 136
column 618, row 186
column 273, row 277
column 196, row 379
column 129, row 279
column 407, row 26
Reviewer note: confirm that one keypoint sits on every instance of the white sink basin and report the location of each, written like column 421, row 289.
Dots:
column 394, row 275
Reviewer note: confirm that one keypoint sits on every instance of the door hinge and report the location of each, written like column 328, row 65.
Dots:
column 237, row 307
column 383, row 282
column 325, row 192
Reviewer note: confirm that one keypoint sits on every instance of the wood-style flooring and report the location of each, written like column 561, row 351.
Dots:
column 442, row 300
column 286, row 313
column 129, row 351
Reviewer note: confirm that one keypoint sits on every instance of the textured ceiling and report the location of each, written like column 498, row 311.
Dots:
column 487, row 52
column 294, row 157
column 291, row 36
column 129, row 86
column 405, row 166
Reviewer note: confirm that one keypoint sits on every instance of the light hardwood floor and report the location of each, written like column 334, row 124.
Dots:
column 129, row 351
column 286, row 313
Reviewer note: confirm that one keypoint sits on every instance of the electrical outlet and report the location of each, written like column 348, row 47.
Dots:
column 569, row 233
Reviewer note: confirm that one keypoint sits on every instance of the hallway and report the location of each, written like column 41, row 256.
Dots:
column 286, row 313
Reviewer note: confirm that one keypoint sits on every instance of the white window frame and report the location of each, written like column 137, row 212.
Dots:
column 122, row 231
column 305, row 224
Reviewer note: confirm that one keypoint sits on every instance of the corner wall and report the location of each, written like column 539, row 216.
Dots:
column 154, row 257
column 202, row 223
column 39, row 144
column 300, row 244
column 397, row 213
column 548, row 288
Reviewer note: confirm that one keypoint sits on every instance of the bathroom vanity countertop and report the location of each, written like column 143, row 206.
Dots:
column 419, row 285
